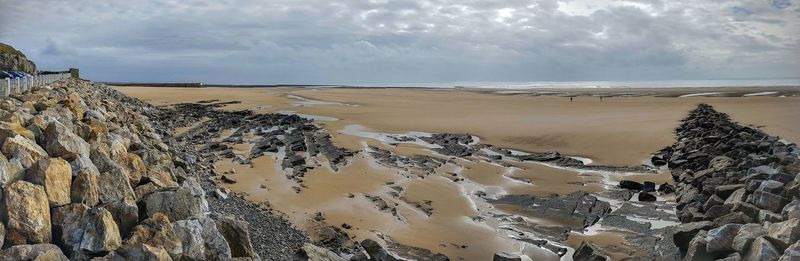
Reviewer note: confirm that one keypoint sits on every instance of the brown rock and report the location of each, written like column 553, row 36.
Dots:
column 28, row 214
column 56, row 176
column 40, row 252
column 125, row 213
column 157, row 232
column 85, row 188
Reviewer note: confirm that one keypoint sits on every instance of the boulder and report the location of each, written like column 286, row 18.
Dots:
column 666, row 188
column 9, row 172
column 151, row 237
column 59, row 141
column 791, row 210
column 101, row 233
column 792, row 253
column 761, row 249
column 142, row 252
column 9, row 129
column 55, row 175
column 85, row 188
column 738, row 196
column 177, row 203
column 137, row 168
column 114, row 186
column 125, row 214
column 719, row 241
column 784, row 233
column 632, row 185
column 697, row 248
column 588, row 252
column 684, row 233
column 237, row 235
column 217, row 247
column 646, row 197
column 768, row 201
column 39, row 252
column 68, row 226
column 191, row 235
column 28, row 214
column 648, row 186
column 747, row 233
column 23, row 149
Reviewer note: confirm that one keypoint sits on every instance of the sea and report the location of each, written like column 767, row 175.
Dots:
column 784, row 82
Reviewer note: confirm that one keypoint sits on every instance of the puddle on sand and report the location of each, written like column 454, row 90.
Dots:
column 435, row 209
column 303, row 101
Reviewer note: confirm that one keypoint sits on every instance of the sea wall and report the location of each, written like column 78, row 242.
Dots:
column 85, row 174
column 737, row 190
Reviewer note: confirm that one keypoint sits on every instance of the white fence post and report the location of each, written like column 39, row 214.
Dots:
column 7, row 90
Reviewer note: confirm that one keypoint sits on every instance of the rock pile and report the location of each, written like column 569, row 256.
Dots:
column 737, row 190
column 84, row 176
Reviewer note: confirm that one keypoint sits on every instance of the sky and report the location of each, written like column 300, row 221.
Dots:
column 398, row 42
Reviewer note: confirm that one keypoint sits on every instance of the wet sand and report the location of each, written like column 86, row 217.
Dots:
column 620, row 131
column 616, row 131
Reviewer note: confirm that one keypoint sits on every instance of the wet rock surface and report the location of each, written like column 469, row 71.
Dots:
column 736, row 186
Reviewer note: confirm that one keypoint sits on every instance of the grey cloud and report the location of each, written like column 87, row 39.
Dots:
column 354, row 41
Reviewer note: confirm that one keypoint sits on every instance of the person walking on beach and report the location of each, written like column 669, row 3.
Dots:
column 570, row 98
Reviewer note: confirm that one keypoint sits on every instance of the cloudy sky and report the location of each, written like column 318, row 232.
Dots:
column 390, row 42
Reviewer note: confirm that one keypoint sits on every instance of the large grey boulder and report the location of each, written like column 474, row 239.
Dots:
column 792, row 253
column 191, row 235
column 784, row 233
column 747, row 233
column 697, row 248
column 125, row 214
column 101, row 233
column 28, row 214
column 684, row 233
column 59, row 141
column 114, row 186
column 761, row 250
column 236, row 233
column 217, row 247
column 719, row 241
column 69, row 222
column 177, row 203
column 768, row 201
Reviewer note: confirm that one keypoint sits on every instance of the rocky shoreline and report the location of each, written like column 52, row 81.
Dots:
column 77, row 151
column 89, row 173
column 737, row 190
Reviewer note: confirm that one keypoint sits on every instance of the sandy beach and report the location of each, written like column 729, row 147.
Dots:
column 437, row 208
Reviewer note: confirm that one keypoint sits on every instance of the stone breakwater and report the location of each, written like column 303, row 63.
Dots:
column 737, row 190
column 86, row 175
